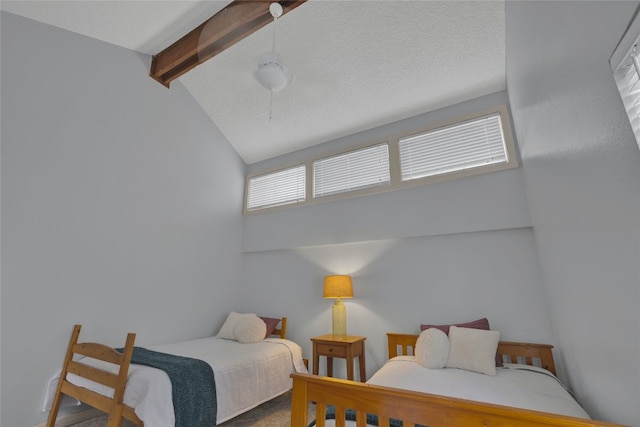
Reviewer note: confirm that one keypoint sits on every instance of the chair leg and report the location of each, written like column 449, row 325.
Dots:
column 55, row 407
column 53, row 414
column 115, row 417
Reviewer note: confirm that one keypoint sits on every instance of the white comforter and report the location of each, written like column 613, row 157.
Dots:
column 246, row 375
column 520, row 386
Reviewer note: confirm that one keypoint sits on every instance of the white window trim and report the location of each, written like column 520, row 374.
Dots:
column 394, row 163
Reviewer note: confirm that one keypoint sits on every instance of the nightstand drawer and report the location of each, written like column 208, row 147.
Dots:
column 331, row 350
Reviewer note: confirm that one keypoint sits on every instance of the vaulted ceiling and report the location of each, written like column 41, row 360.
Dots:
column 356, row 64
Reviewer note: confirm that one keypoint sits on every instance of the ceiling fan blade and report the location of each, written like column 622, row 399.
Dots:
column 224, row 29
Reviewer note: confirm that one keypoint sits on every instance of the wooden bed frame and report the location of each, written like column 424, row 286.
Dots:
column 115, row 407
column 415, row 408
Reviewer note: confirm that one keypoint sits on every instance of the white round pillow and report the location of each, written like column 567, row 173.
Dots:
column 432, row 349
column 250, row 329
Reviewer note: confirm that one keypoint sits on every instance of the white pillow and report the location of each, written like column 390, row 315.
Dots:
column 250, row 329
column 226, row 331
column 432, row 349
column 473, row 349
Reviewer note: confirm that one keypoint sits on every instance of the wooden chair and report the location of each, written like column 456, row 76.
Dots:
column 112, row 406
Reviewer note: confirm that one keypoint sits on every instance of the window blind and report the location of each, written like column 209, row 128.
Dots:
column 474, row 144
column 629, row 87
column 625, row 64
column 466, row 145
column 278, row 188
column 358, row 169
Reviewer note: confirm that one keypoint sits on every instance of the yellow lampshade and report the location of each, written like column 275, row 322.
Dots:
column 338, row 287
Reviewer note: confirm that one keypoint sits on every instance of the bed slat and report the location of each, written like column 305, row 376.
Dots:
column 323, row 410
column 340, row 416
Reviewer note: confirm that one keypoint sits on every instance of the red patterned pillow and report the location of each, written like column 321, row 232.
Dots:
column 476, row 324
column 271, row 324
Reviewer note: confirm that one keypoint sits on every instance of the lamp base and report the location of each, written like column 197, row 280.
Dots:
column 339, row 317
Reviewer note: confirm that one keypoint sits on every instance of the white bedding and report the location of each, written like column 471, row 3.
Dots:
column 520, row 386
column 246, row 375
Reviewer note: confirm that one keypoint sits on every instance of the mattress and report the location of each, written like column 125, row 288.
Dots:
column 520, row 386
column 246, row 375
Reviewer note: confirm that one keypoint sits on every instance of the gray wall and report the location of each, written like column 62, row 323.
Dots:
column 581, row 167
column 448, row 252
column 401, row 283
column 121, row 207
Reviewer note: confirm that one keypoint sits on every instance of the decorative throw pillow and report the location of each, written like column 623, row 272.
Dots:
column 271, row 324
column 432, row 349
column 226, row 331
column 250, row 329
column 476, row 324
column 473, row 350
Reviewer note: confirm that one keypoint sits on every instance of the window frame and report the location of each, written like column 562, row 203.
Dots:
column 314, row 173
column 396, row 182
column 510, row 150
column 279, row 205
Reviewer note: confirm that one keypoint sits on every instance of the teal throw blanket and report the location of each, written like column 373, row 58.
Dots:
column 192, row 382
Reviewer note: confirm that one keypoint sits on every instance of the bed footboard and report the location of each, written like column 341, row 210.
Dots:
column 413, row 408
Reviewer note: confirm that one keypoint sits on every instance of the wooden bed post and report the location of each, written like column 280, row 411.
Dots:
column 299, row 404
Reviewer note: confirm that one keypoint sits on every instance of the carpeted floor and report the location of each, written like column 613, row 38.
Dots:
column 274, row 413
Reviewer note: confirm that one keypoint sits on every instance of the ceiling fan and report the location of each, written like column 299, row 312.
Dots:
column 236, row 21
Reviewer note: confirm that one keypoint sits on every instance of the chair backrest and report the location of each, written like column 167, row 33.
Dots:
column 115, row 380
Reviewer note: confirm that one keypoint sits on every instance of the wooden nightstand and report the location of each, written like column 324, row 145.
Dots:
column 347, row 347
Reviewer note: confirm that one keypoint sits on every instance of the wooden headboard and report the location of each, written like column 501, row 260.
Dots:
column 510, row 352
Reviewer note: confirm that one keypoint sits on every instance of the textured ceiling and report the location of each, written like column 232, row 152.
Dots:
column 355, row 64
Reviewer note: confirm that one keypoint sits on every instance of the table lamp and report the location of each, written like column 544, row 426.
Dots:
column 338, row 287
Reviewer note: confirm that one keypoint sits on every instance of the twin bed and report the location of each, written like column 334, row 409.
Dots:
column 403, row 393
column 246, row 373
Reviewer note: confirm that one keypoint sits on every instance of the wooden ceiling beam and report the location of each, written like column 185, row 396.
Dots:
column 224, row 29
